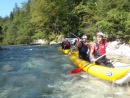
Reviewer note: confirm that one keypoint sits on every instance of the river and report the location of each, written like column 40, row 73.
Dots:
column 43, row 72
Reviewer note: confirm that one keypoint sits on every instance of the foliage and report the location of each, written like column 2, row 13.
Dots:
column 48, row 19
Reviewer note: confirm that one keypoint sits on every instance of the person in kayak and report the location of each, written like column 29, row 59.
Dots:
column 62, row 44
column 98, row 49
column 75, row 42
column 83, row 47
column 65, row 44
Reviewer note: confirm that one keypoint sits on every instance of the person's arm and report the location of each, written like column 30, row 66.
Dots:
column 88, row 45
column 78, row 44
column 106, row 44
column 91, row 53
column 78, row 39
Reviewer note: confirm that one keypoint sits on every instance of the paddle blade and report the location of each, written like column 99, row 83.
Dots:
column 76, row 70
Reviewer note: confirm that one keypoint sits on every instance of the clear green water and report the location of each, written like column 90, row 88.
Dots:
column 43, row 72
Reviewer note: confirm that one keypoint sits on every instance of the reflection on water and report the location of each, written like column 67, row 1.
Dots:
column 43, row 72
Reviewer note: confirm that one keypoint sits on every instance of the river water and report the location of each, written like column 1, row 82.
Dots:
column 43, row 72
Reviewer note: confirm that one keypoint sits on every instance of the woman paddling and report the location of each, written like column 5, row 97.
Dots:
column 98, row 49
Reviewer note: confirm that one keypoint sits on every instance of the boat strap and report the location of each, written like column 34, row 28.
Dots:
column 89, row 66
column 86, row 65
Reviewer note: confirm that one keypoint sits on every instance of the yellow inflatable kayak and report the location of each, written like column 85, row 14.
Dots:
column 116, row 75
column 64, row 51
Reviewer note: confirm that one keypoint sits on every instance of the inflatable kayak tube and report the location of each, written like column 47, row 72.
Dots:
column 118, row 75
column 64, row 51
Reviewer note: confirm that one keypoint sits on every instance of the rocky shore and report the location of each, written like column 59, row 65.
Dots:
column 42, row 42
column 119, row 52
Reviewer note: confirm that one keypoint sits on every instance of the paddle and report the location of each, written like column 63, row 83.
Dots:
column 77, row 70
column 73, row 34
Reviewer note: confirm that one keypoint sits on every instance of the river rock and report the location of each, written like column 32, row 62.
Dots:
column 52, row 42
column 118, row 51
column 39, row 42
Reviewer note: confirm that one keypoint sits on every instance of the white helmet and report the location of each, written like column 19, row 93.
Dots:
column 100, row 33
column 84, row 36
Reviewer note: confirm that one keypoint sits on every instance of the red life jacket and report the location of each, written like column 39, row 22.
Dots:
column 67, row 43
column 100, row 49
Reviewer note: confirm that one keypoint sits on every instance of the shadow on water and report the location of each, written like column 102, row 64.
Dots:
column 43, row 72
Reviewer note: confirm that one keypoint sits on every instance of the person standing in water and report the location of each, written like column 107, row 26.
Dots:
column 83, row 47
column 98, row 49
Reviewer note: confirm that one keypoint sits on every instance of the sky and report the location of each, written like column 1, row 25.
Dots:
column 6, row 6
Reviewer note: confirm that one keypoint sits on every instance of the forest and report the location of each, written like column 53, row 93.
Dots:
column 49, row 19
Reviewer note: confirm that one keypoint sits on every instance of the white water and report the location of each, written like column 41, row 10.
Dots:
column 43, row 72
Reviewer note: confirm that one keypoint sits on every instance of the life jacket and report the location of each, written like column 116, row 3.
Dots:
column 99, row 50
column 67, row 43
column 83, row 49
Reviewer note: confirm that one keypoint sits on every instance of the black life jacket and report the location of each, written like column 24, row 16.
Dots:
column 96, row 52
column 83, row 49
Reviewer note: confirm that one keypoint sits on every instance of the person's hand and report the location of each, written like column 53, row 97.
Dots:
column 78, row 38
column 88, row 45
column 94, row 60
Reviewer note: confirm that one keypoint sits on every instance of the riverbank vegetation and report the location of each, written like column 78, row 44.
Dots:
column 47, row 19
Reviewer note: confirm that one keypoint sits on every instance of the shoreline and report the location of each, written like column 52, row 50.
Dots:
column 118, row 52
column 114, row 51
